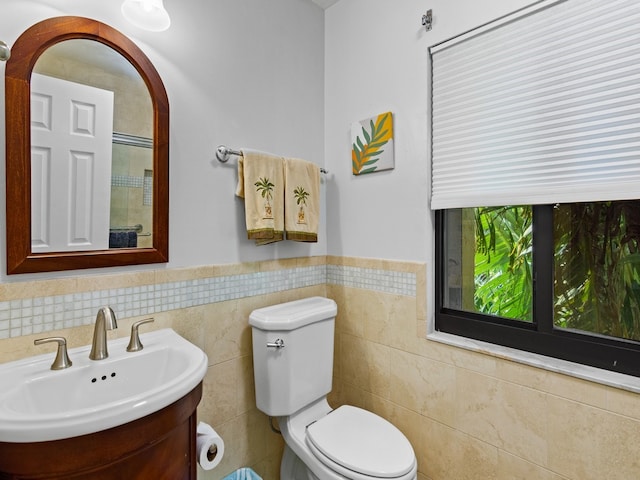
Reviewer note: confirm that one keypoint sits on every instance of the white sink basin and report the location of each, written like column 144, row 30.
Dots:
column 39, row 404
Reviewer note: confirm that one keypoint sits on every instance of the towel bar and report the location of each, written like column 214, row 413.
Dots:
column 134, row 228
column 223, row 153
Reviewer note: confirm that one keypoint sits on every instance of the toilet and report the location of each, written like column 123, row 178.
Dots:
column 293, row 371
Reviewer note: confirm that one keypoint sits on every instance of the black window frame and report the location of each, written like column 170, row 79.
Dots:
column 540, row 336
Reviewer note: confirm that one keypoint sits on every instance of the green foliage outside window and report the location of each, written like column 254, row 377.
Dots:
column 503, row 262
column 596, row 266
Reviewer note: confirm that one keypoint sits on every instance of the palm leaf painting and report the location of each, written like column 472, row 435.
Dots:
column 372, row 144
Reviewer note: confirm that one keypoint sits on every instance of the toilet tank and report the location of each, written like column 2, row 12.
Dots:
column 296, row 374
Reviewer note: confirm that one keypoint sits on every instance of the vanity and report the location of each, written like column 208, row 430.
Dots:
column 129, row 416
column 159, row 446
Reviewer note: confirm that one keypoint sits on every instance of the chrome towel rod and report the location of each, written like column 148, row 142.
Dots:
column 223, row 153
column 138, row 228
column 129, row 228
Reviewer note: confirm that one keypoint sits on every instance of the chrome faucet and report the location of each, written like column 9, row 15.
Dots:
column 105, row 320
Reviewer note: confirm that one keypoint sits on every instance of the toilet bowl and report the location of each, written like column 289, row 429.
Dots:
column 345, row 443
column 293, row 366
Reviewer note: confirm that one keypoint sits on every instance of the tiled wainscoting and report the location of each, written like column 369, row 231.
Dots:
column 469, row 415
column 209, row 306
column 474, row 415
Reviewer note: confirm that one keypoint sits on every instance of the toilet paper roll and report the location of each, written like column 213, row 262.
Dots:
column 209, row 445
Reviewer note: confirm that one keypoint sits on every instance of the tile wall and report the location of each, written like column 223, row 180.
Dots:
column 472, row 415
column 469, row 415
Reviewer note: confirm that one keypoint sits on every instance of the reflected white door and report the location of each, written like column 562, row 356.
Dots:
column 71, row 148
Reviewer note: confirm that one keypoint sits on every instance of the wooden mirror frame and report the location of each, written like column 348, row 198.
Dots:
column 24, row 54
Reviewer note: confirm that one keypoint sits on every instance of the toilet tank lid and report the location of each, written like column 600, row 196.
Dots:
column 292, row 315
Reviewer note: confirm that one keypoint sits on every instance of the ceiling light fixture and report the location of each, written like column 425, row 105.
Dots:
column 146, row 14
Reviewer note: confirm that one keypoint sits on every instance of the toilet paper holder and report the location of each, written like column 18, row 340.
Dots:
column 212, row 452
column 209, row 446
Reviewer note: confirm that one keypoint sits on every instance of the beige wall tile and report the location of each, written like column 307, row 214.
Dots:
column 269, row 468
column 589, row 443
column 227, row 334
column 460, row 357
column 350, row 302
column 104, row 282
column 219, row 395
column 279, row 264
column 515, row 372
column 311, row 261
column 19, row 290
column 576, row 389
column 298, row 293
column 189, row 323
column 376, row 316
column 424, row 386
column 245, row 385
column 448, row 454
column 623, row 402
column 366, row 365
column 511, row 467
column 509, row 416
column 407, row 421
column 253, row 435
column 388, row 319
column 402, row 318
column 356, row 396
column 182, row 274
column 235, row 268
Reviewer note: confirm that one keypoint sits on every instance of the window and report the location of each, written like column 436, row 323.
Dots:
column 560, row 280
column 536, row 182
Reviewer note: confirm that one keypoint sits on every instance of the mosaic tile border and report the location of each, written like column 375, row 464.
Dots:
column 41, row 314
column 127, row 181
column 387, row 281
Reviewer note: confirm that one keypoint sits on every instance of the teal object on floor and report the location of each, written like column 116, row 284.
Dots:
column 243, row 474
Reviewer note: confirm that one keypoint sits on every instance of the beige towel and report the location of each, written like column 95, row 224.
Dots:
column 301, row 200
column 261, row 184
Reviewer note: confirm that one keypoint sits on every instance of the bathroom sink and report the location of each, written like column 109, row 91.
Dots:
column 40, row 404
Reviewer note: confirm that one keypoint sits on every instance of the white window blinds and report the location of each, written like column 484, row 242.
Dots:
column 540, row 107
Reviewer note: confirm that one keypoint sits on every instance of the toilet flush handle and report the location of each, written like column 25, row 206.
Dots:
column 279, row 343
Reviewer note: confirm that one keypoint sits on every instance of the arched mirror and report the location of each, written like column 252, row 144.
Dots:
column 87, row 123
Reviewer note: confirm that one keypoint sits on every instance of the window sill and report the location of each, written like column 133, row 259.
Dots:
column 583, row 372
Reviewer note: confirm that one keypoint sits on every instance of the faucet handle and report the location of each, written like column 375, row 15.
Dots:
column 62, row 359
column 134, row 342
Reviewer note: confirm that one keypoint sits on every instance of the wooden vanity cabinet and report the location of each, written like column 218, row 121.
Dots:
column 161, row 446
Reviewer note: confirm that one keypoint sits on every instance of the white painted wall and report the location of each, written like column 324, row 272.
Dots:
column 376, row 59
column 284, row 76
column 245, row 73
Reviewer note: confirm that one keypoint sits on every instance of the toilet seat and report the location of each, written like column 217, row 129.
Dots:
column 361, row 445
